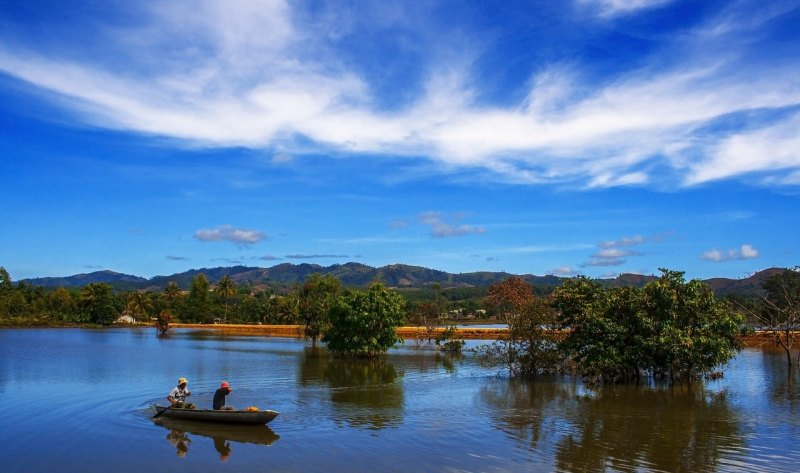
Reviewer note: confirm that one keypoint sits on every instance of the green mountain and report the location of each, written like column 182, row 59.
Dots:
column 402, row 276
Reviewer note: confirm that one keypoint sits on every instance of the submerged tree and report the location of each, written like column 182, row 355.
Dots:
column 669, row 329
column 780, row 309
column 531, row 346
column 365, row 323
column 316, row 297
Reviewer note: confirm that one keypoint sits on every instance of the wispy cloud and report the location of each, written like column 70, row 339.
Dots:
column 268, row 258
column 260, row 75
column 742, row 253
column 614, row 252
column 611, row 8
column 177, row 258
column 231, row 234
column 447, row 225
column 562, row 271
column 314, row 256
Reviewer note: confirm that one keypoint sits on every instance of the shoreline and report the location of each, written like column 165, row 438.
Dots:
column 756, row 339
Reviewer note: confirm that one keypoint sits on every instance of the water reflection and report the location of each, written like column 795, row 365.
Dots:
column 365, row 393
column 527, row 411
column 222, row 435
column 623, row 429
column 671, row 429
column 783, row 381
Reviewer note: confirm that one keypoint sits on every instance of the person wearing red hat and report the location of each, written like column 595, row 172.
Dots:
column 219, row 397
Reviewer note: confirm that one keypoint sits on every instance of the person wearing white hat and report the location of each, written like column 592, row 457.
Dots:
column 177, row 397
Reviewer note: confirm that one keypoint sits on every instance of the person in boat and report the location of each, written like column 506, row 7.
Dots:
column 177, row 397
column 219, row 397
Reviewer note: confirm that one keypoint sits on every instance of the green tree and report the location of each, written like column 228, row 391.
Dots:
column 6, row 285
column 316, row 297
column 198, row 307
column 365, row 323
column 670, row 329
column 139, row 305
column 62, row 306
column 227, row 291
column 97, row 302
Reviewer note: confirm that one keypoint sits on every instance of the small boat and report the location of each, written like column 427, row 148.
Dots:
column 210, row 415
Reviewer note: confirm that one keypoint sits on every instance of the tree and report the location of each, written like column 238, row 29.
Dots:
column 670, row 328
column 316, row 297
column 365, row 323
column 198, row 305
column 227, row 291
column 97, row 302
column 139, row 305
column 6, row 285
column 508, row 296
column 530, row 347
column 780, row 308
column 162, row 322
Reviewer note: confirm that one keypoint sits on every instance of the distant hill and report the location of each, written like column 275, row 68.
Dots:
column 117, row 280
column 360, row 275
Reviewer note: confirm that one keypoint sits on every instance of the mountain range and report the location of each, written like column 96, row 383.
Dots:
column 360, row 275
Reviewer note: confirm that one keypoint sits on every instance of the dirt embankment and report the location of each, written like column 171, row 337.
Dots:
column 296, row 331
column 467, row 333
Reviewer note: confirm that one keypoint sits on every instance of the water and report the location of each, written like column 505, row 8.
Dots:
column 78, row 401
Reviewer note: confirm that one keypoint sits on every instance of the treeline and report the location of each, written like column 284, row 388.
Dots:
column 23, row 304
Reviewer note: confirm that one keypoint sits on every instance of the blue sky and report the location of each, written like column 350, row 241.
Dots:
column 591, row 137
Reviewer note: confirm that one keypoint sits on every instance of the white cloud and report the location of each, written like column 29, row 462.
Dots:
column 773, row 148
column 608, row 8
column 615, row 253
column 562, row 271
column 251, row 73
column 625, row 241
column 743, row 253
column 443, row 226
column 229, row 233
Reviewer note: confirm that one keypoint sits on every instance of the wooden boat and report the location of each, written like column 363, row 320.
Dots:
column 209, row 415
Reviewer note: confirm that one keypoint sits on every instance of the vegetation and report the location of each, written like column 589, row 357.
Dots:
column 316, row 297
column 779, row 309
column 664, row 328
column 669, row 329
column 530, row 347
column 365, row 323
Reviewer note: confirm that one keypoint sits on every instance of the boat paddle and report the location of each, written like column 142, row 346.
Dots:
column 161, row 412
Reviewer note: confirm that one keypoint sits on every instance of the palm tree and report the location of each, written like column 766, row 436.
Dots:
column 226, row 290
column 139, row 304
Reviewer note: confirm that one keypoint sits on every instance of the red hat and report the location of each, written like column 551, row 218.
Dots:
column 224, row 385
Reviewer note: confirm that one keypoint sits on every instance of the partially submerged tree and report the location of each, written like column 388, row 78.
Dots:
column 531, row 346
column 780, row 309
column 506, row 297
column 669, row 329
column 316, row 297
column 365, row 323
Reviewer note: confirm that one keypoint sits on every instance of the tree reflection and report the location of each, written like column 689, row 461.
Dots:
column 676, row 429
column 784, row 382
column 526, row 410
column 366, row 393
